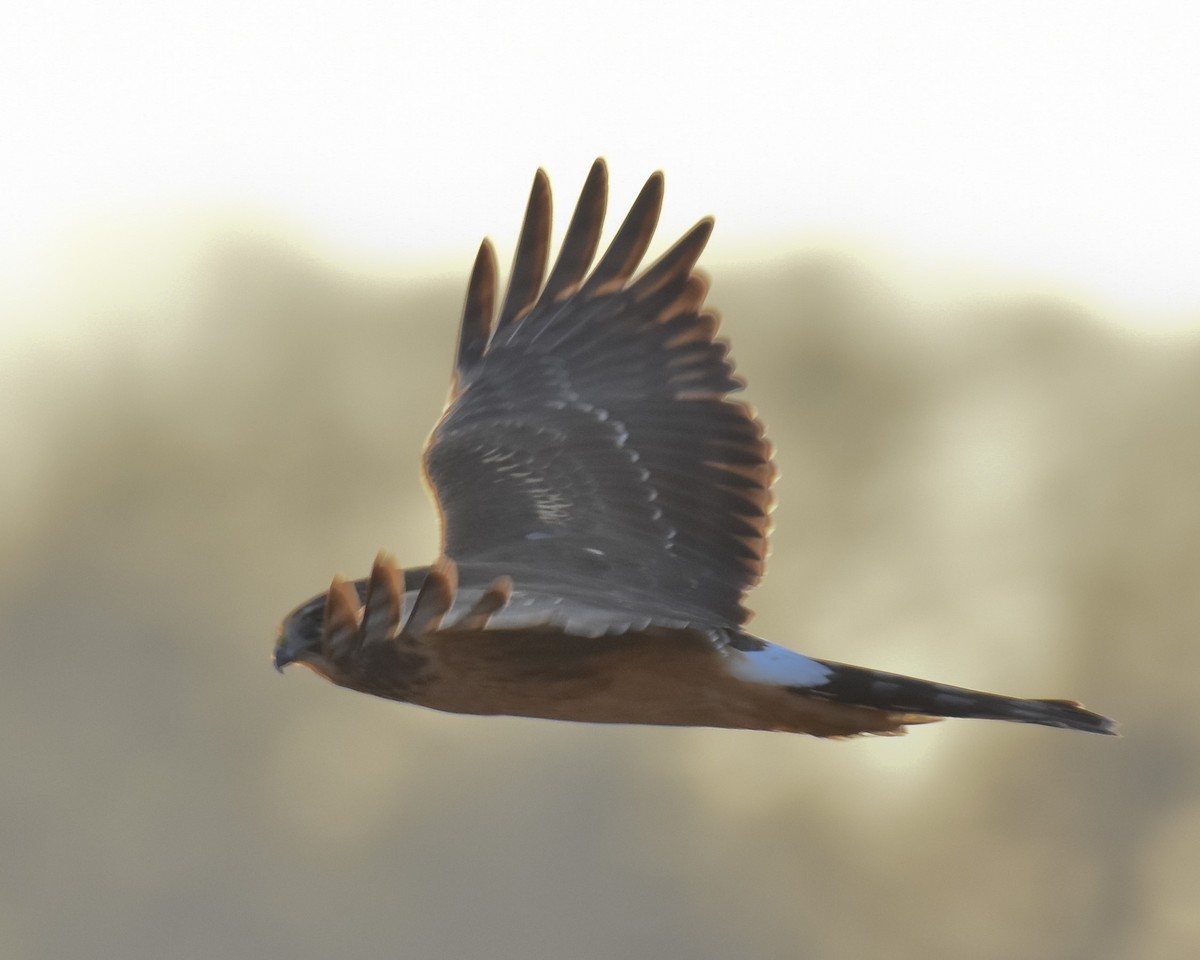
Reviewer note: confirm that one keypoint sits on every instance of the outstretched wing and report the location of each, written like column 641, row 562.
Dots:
column 589, row 444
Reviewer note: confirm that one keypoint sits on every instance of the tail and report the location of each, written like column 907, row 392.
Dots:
column 923, row 698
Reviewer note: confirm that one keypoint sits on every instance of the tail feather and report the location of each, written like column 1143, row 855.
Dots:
column 923, row 698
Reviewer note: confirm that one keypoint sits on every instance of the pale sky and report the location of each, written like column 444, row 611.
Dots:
column 1056, row 141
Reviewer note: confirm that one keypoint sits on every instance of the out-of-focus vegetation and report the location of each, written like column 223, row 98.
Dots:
column 995, row 490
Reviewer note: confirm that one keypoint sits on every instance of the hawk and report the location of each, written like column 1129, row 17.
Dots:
column 604, row 510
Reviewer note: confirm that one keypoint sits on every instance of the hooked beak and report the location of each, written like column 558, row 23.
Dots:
column 283, row 655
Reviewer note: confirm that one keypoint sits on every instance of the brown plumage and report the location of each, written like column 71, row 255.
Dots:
column 604, row 510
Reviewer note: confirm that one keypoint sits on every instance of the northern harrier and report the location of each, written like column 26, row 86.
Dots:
column 604, row 510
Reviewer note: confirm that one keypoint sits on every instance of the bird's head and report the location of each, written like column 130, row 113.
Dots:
column 326, row 633
column 301, row 637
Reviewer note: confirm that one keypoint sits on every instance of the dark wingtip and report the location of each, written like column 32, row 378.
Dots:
column 478, row 311
column 667, row 277
column 280, row 658
column 532, row 255
column 582, row 237
column 631, row 240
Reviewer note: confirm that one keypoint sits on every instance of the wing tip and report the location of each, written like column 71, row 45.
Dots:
column 479, row 310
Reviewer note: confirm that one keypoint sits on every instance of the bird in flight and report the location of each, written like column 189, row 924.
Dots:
column 604, row 510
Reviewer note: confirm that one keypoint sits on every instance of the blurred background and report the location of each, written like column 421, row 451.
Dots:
column 956, row 254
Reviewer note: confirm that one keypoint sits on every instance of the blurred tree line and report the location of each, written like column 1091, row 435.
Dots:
column 995, row 489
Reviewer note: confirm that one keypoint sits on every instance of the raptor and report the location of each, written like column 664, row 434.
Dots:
column 604, row 508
